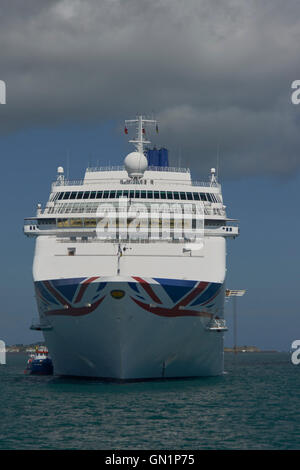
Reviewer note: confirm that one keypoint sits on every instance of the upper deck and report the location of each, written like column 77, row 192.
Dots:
column 158, row 185
column 72, row 203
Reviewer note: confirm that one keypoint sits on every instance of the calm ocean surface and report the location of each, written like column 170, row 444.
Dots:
column 255, row 405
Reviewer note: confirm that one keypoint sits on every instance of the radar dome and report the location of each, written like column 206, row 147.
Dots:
column 60, row 170
column 135, row 164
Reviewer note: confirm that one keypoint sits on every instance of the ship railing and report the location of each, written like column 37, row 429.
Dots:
column 150, row 168
column 117, row 241
column 60, row 211
column 82, row 182
column 207, row 184
column 65, row 182
column 217, row 324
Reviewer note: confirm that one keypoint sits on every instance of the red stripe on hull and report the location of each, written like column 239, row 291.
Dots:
column 148, row 289
column 83, row 288
column 75, row 312
column 171, row 312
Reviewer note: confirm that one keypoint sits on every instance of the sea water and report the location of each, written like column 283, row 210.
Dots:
column 254, row 405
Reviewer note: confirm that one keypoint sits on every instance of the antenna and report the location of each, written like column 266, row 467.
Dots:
column 218, row 161
column 140, row 121
column 68, row 164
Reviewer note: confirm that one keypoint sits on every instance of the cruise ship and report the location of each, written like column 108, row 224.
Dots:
column 129, row 268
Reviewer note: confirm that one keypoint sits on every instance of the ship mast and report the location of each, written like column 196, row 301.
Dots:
column 140, row 130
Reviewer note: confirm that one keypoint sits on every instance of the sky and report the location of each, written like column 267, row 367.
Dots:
column 216, row 74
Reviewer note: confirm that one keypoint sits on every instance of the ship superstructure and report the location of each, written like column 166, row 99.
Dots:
column 129, row 270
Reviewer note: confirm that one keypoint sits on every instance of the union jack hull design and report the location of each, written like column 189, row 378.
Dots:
column 175, row 298
column 71, row 297
column 162, row 297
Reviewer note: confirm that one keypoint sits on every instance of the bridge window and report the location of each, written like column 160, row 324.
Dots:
column 90, row 223
column 62, row 223
column 76, row 223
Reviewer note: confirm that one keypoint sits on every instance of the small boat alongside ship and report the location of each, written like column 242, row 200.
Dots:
column 40, row 363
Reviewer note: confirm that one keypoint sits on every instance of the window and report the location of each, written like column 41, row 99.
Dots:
column 183, row 196
column 99, row 194
column 209, row 198
column 73, row 195
column 163, row 195
column 119, row 194
column 86, row 194
column 150, row 194
column 169, row 195
column 61, row 195
column 80, row 195
column 71, row 251
column 93, row 195
column 66, row 195
column 203, row 196
column 62, row 223
column 112, row 194
column 196, row 196
column 143, row 194
column 90, row 222
column 189, row 196
column 156, row 194
column 105, row 194
column 45, row 221
column 76, row 222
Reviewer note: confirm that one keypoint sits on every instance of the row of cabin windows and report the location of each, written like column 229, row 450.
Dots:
column 137, row 194
column 92, row 222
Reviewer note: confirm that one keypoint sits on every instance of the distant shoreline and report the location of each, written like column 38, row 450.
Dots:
column 29, row 348
column 250, row 349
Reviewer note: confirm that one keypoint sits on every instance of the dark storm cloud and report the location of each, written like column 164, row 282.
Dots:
column 216, row 73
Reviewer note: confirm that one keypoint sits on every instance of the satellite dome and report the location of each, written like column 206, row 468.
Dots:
column 60, row 170
column 135, row 164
